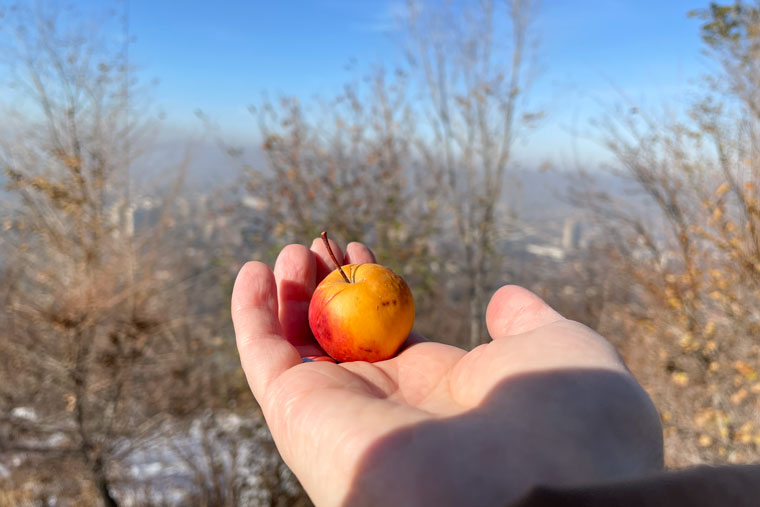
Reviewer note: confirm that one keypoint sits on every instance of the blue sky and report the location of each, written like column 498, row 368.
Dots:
column 221, row 56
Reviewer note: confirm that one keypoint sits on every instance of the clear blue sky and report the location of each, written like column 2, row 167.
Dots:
column 220, row 56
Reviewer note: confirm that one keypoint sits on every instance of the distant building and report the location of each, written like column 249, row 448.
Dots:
column 545, row 251
column 571, row 234
column 121, row 217
column 252, row 202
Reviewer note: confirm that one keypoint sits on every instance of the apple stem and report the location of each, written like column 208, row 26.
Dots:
column 332, row 255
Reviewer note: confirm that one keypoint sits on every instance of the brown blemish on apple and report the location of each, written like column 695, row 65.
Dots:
column 324, row 330
column 386, row 303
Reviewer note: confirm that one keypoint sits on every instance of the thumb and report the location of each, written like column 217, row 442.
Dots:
column 514, row 310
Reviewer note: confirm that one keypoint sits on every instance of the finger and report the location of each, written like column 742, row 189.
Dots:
column 358, row 253
column 296, row 274
column 264, row 353
column 325, row 264
column 514, row 310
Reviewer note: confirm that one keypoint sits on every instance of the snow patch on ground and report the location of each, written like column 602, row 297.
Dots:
column 25, row 413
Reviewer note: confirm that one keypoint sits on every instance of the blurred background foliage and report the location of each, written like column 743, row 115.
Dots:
column 121, row 383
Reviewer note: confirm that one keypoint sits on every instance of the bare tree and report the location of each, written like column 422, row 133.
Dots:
column 474, row 67
column 94, row 350
column 348, row 165
column 687, row 246
column 389, row 167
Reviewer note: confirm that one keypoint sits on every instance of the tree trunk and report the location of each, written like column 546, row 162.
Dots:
column 475, row 324
column 101, row 481
column 471, row 281
column 477, row 297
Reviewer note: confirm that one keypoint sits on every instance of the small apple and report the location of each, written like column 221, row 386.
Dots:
column 361, row 312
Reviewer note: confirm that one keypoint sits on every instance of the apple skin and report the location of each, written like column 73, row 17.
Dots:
column 366, row 320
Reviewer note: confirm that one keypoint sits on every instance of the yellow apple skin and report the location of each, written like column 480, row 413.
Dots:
column 365, row 320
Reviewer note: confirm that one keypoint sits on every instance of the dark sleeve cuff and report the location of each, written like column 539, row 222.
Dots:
column 737, row 486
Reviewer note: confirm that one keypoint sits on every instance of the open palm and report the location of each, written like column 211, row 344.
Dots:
column 437, row 425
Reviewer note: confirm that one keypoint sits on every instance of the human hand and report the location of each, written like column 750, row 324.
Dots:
column 547, row 401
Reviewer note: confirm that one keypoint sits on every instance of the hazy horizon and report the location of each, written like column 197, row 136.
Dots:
column 221, row 59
